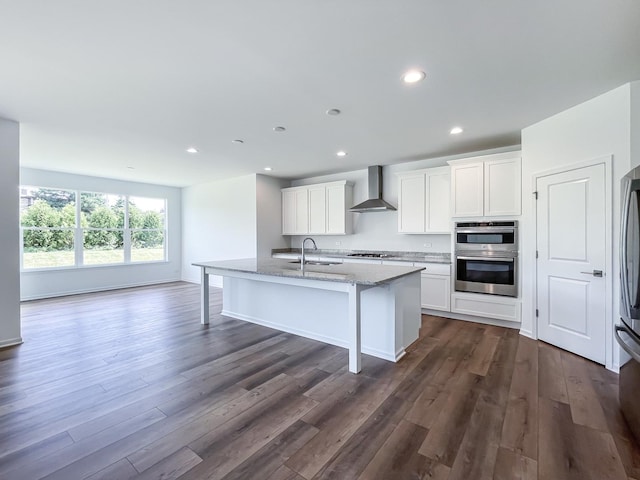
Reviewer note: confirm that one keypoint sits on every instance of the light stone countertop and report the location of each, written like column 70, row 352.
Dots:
column 431, row 257
column 355, row 273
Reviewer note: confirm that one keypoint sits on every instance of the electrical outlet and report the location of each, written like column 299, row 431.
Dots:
column 427, row 245
column 338, row 244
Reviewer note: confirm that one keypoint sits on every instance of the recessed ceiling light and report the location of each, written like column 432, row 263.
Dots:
column 333, row 111
column 413, row 76
column 456, row 130
column 268, row 169
column 341, row 153
column 192, row 150
column 279, row 129
column 237, row 140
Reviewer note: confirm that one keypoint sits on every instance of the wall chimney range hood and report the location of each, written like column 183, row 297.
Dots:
column 375, row 202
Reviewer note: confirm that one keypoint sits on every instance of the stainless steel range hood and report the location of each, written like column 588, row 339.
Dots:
column 375, row 202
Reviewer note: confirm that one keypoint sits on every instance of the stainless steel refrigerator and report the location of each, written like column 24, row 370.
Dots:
column 627, row 333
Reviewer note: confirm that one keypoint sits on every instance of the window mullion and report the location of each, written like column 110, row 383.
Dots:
column 78, row 235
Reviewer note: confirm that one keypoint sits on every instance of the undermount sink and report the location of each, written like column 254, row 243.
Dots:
column 316, row 262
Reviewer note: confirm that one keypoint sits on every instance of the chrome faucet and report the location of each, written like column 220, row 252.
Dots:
column 302, row 260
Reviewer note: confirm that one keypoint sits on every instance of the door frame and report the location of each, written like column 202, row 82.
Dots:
column 607, row 161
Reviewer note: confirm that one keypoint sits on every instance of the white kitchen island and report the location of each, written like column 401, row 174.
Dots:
column 374, row 309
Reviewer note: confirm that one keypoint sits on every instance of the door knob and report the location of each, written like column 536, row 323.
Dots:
column 595, row 273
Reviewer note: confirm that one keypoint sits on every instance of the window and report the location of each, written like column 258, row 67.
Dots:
column 48, row 220
column 103, row 229
column 146, row 221
column 102, row 221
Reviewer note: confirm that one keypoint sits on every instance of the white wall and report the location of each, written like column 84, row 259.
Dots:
column 9, row 233
column 50, row 283
column 269, row 217
column 635, row 124
column 219, row 222
column 379, row 230
column 596, row 128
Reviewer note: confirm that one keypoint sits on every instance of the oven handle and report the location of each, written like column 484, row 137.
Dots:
column 497, row 230
column 626, row 347
column 488, row 259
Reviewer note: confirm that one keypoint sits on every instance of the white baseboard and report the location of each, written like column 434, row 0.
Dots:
column 313, row 336
column 10, row 342
column 214, row 281
column 96, row 289
column 471, row 318
column 527, row 333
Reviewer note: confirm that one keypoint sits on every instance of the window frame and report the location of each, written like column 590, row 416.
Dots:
column 79, row 233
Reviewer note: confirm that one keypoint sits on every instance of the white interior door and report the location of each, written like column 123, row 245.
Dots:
column 571, row 244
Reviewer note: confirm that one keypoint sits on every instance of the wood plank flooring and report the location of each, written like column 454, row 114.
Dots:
column 128, row 384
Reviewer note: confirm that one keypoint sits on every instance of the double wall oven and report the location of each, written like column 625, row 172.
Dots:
column 486, row 257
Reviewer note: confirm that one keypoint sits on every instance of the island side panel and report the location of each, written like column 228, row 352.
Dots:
column 315, row 313
column 308, row 312
column 408, row 312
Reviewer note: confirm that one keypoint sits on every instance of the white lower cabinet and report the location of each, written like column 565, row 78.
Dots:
column 373, row 261
column 435, row 292
column 399, row 263
column 490, row 306
column 435, row 286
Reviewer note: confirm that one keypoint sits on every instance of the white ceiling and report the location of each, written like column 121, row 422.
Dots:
column 102, row 86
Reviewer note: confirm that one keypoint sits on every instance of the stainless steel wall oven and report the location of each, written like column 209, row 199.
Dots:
column 486, row 258
column 487, row 236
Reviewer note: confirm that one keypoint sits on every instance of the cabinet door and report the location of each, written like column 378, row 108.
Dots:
column 288, row 212
column 317, row 210
column 502, row 187
column 336, row 210
column 435, row 292
column 411, row 203
column 295, row 215
column 467, row 190
column 438, row 199
column 302, row 211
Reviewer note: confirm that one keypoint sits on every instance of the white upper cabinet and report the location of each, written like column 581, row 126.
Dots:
column 339, row 198
column 467, row 190
column 319, row 209
column 423, row 201
column 438, row 182
column 502, row 187
column 411, row 203
column 487, row 186
column 295, row 212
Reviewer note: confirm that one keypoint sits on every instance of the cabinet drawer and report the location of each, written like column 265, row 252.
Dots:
column 397, row 262
column 489, row 306
column 435, row 268
column 362, row 260
column 289, row 256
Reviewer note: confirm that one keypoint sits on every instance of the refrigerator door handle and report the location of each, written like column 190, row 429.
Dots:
column 630, row 187
column 624, row 345
column 624, row 274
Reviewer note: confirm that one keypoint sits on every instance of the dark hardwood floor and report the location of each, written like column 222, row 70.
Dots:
column 128, row 384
